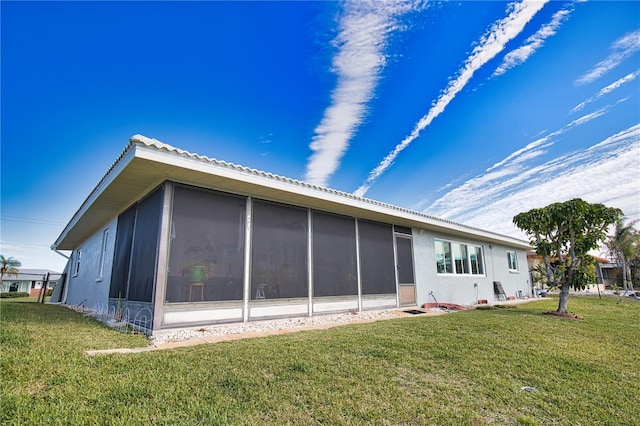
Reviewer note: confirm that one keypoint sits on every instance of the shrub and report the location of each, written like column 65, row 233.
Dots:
column 13, row 294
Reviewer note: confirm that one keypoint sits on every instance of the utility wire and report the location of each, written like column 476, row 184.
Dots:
column 31, row 220
column 24, row 244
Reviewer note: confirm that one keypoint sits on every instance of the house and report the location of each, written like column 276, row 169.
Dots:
column 535, row 261
column 184, row 240
column 29, row 281
column 611, row 274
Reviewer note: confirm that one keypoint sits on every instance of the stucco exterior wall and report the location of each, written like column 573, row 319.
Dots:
column 512, row 281
column 89, row 287
column 462, row 289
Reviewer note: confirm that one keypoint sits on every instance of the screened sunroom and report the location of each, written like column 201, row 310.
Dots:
column 233, row 258
column 184, row 240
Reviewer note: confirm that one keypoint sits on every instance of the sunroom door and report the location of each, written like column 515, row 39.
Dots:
column 404, row 266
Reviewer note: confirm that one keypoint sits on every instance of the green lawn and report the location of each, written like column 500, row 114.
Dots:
column 466, row 368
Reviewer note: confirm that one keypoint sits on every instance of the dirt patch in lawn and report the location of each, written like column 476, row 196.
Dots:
column 563, row 315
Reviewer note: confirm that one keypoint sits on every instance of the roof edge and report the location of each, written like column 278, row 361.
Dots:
column 155, row 143
column 85, row 204
column 144, row 141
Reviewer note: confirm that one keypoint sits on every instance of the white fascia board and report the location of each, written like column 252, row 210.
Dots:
column 192, row 162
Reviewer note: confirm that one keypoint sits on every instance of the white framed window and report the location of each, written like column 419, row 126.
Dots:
column 512, row 260
column 76, row 266
column 458, row 258
column 103, row 252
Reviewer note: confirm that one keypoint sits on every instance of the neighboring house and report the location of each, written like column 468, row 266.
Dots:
column 29, row 281
column 533, row 260
column 611, row 274
column 184, row 240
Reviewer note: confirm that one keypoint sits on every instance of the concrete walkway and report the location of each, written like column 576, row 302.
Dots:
column 248, row 335
column 396, row 313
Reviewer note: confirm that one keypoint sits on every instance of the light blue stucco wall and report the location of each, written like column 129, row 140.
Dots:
column 88, row 287
column 461, row 289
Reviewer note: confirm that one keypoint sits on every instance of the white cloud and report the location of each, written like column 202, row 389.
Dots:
column 542, row 142
column 533, row 43
column 506, row 175
column 490, row 44
column 364, row 29
column 621, row 49
column 604, row 173
column 585, row 118
column 608, row 89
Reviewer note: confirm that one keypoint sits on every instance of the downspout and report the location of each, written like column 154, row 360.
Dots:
column 64, row 282
column 61, row 254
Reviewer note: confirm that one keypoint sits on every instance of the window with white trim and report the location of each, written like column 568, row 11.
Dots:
column 458, row 258
column 512, row 260
column 76, row 268
column 103, row 252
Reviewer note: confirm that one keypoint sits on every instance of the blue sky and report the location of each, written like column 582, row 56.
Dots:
column 472, row 111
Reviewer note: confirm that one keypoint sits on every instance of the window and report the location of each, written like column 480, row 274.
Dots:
column 443, row 257
column 103, row 253
column 461, row 258
column 512, row 259
column 76, row 268
column 475, row 258
column 457, row 258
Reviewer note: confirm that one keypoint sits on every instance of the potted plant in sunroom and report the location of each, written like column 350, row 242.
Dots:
column 197, row 270
column 200, row 266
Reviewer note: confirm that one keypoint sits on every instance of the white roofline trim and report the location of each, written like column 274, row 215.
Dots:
column 138, row 145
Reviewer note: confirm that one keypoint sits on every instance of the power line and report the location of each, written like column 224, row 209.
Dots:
column 9, row 218
column 25, row 244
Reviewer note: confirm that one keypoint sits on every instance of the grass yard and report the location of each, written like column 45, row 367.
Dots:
column 466, row 368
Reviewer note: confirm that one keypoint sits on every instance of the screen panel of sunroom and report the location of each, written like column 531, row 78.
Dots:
column 334, row 255
column 206, row 260
column 376, row 258
column 122, row 254
column 145, row 241
column 134, row 264
column 278, row 252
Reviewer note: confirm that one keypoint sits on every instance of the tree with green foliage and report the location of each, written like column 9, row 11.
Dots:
column 623, row 246
column 9, row 266
column 563, row 233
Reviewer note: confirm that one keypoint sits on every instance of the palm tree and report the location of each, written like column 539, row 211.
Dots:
column 9, row 266
column 623, row 246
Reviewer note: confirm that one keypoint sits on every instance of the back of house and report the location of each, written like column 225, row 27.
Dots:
column 174, row 239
